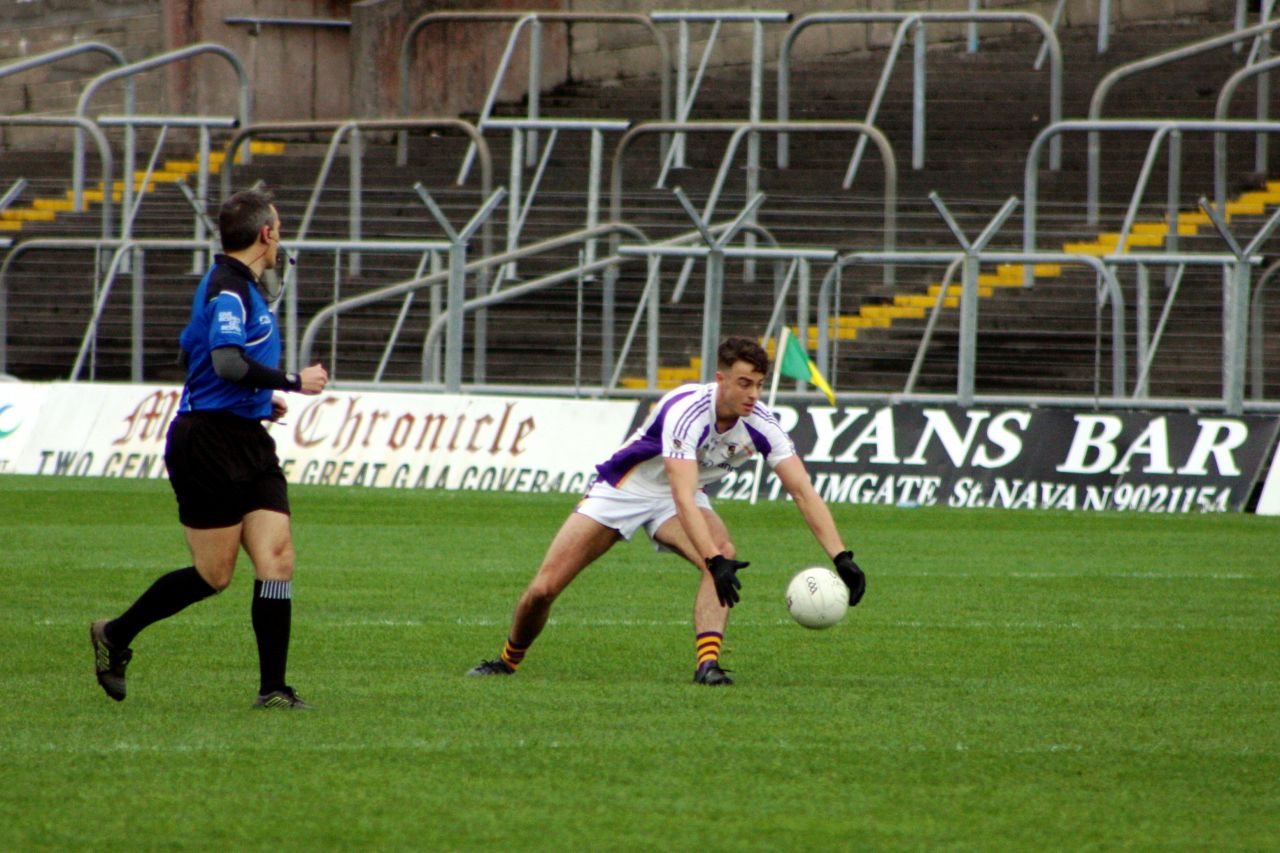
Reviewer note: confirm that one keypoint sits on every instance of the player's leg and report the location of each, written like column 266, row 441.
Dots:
column 709, row 616
column 578, row 543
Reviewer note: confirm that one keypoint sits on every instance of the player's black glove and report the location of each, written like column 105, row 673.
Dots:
column 852, row 576
column 724, row 573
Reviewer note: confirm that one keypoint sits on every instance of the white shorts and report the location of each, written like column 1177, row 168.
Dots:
column 626, row 512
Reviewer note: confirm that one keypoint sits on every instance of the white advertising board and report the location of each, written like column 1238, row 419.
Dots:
column 1269, row 500
column 20, row 405
column 448, row 441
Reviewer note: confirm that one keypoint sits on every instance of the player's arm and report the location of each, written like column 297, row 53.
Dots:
column 683, row 474
column 795, row 479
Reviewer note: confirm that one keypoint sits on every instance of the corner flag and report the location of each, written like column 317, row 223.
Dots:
column 793, row 361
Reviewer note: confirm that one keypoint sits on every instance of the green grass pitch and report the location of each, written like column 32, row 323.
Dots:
column 1012, row 681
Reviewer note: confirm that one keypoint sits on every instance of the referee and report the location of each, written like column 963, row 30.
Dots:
column 221, row 461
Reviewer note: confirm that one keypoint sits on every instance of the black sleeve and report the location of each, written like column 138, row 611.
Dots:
column 231, row 364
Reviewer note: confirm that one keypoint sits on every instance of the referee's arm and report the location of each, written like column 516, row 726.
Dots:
column 231, row 364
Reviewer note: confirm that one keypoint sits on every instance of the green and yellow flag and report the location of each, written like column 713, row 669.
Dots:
column 793, row 361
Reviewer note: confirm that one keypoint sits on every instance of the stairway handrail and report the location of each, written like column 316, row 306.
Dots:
column 1113, row 291
column 340, row 128
column 1220, row 111
column 1108, row 82
column 1255, row 330
column 738, row 128
column 908, row 20
column 521, row 18
column 52, row 56
column 1097, row 127
column 403, row 287
column 127, row 73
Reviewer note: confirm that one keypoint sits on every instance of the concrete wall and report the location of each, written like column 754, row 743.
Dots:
column 294, row 73
column 614, row 52
column 452, row 63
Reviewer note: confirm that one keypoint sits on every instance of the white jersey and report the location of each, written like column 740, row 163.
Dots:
column 683, row 426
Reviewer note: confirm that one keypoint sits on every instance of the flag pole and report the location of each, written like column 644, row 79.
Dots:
column 778, row 352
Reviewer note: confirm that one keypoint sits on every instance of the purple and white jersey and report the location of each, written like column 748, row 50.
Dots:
column 683, row 426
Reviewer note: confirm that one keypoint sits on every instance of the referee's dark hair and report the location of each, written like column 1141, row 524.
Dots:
column 242, row 217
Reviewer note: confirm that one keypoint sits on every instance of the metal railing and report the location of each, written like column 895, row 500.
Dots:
column 123, row 249
column 738, row 129
column 255, row 24
column 1104, row 87
column 341, row 130
column 57, row 55
column 520, row 200
column 908, row 21
column 455, row 275
column 127, row 73
column 1169, row 130
column 1257, row 341
column 1222, row 110
column 519, row 21
column 203, row 126
column 686, row 93
column 82, row 126
column 648, row 304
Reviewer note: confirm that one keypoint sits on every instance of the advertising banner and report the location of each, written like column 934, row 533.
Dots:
column 20, row 405
column 1023, row 458
column 906, row 454
column 346, row 438
column 1269, row 500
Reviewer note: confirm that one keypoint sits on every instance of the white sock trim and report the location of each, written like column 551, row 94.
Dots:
column 276, row 590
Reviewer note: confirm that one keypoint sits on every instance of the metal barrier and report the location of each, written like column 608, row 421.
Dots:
column 687, row 94
column 202, row 124
column 340, row 130
column 965, row 394
column 82, row 126
column 1221, row 112
column 1130, row 69
column 519, row 202
column 715, row 252
column 1163, row 129
column 476, row 303
column 647, row 306
column 127, row 73
column 906, row 22
column 520, row 20
column 1256, row 338
column 257, row 23
column 738, row 129
column 61, row 53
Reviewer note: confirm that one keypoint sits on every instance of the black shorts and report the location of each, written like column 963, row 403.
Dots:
column 222, row 467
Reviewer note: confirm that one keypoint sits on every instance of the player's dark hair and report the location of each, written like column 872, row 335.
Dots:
column 742, row 349
column 242, row 217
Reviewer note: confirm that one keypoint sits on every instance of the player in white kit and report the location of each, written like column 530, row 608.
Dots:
column 655, row 480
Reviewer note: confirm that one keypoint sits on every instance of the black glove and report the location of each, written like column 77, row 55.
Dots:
column 724, row 573
column 852, row 576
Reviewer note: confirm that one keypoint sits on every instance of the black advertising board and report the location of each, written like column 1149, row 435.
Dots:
column 1022, row 458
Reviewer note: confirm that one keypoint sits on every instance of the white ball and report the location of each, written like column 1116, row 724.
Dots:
column 817, row 598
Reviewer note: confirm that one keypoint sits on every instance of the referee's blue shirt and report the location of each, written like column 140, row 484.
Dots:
column 228, row 310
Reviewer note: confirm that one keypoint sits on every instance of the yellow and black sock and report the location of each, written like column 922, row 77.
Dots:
column 512, row 654
column 708, row 645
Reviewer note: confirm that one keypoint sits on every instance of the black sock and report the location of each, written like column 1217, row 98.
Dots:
column 169, row 594
column 272, row 615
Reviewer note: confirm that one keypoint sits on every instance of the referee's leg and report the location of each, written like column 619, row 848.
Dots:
column 268, row 540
